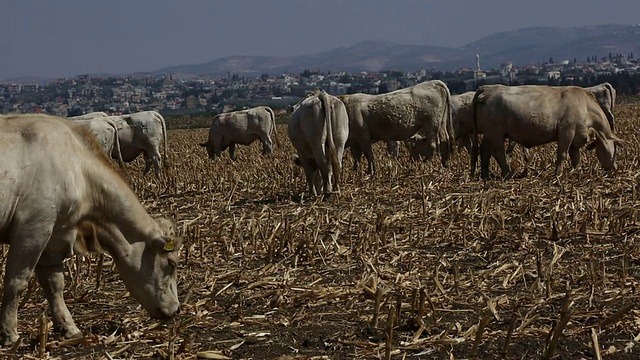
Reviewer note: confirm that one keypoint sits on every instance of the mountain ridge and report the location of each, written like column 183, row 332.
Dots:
column 523, row 46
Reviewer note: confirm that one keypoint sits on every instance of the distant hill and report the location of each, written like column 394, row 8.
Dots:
column 522, row 47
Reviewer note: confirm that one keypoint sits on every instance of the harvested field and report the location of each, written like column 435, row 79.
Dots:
column 415, row 262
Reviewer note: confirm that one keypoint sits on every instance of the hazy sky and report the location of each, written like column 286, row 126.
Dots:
column 69, row 37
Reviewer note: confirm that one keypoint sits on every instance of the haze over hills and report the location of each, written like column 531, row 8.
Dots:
column 522, row 47
column 525, row 46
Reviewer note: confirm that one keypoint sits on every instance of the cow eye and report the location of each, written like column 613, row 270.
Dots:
column 172, row 264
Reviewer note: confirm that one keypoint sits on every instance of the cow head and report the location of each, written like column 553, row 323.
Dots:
column 419, row 147
column 210, row 151
column 148, row 269
column 606, row 150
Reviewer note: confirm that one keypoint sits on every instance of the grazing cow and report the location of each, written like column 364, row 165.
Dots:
column 425, row 107
column 462, row 117
column 318, row 129
column 241, row 127
column 55, row 181
column 106, row 132
column 534, row 115
column 142, row 133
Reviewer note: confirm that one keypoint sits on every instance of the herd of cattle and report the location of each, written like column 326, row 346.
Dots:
column 428, row 119
column 60, row 194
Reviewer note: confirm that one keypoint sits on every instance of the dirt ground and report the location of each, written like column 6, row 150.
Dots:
column 417, row 261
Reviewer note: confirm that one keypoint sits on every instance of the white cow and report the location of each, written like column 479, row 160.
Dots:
column 140, row 133
column 318, row 129
column 143, row 133
column 462, row 117
column 241, row 127
column 533, row 115
column 425, row 107
column 55, row 181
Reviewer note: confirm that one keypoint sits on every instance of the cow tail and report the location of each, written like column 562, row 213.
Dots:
column 474, row 145
column 612, row 98
column 165, row 158
column 326, row 106
column 449, row 120
column 274, row 129
column 117, row 144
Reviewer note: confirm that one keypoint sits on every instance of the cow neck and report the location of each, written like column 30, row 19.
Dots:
column 115, row 203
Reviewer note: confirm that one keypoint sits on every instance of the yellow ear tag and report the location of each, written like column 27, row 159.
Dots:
column 169, row 246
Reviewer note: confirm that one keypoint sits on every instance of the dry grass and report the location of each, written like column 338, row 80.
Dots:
column 415, row 261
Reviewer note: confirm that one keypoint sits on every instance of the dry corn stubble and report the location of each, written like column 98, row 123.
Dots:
column 416, row 260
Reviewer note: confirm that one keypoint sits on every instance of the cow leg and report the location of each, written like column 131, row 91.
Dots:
column 323, row 165
column 29, row 242
column 267, row 145
column 368, row 153
column 309, row 173
column 152, row 160
column 317, row 181
column 356, row 153
column 501, row 158
column 485, row 157
column 147, row 164
column 574, row 155
column 465, row 142
column 51, row 279
column 564, row 142
column 232, row 151
column 337, row 169
column 445, row 153
column 392, row 149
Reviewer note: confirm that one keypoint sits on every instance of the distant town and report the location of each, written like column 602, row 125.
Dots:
column 207, row 95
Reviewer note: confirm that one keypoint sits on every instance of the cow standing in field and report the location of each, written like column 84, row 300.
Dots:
column 425, row 107
column 534, row 115
column 141, row 133
column 462, row 117
column 318, row 129
column 55, row 182
column 241, row 127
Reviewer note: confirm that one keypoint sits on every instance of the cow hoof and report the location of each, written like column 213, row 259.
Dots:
column 8, row 340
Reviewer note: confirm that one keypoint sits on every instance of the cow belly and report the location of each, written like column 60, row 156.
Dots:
column 397, row 131
column 533, row 131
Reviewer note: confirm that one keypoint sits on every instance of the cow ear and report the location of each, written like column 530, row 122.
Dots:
column 162, row 243
column 166, row 244
column 620, row 143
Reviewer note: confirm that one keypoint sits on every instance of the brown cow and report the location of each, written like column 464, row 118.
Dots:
column 425, row 107
column 241, row 127
column 534, row 115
